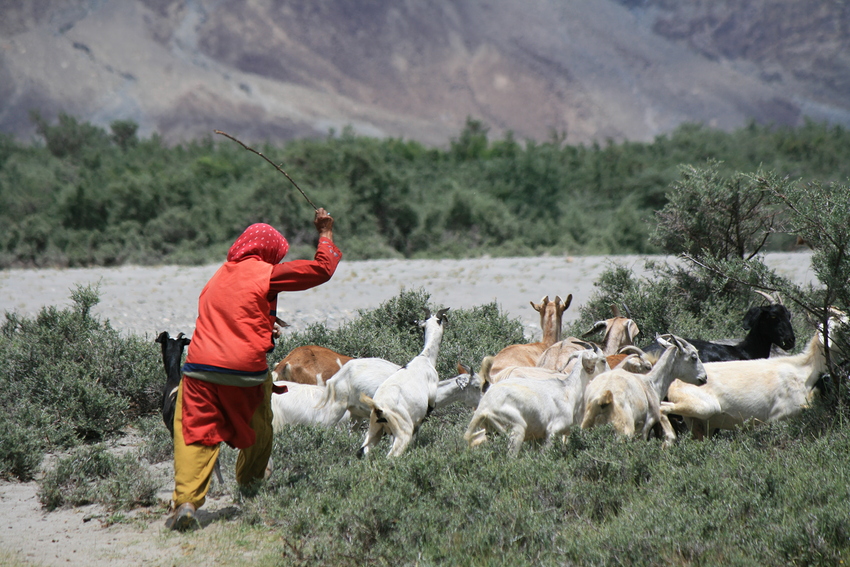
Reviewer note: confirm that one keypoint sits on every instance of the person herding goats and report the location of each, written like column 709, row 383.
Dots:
column 224, row 395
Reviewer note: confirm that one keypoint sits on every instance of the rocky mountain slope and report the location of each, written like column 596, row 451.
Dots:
column 275, row 69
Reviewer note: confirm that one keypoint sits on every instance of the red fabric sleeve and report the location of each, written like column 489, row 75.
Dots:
column 299, row 275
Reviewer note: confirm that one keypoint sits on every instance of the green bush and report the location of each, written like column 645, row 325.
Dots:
column 74, row 378
column 91, row 197
column 766, row 496
column 92, row 474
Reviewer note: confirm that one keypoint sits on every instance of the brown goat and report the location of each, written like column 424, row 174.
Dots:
column 551, row 314
column 310, row 364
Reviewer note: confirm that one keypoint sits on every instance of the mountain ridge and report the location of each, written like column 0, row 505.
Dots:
column 588, row 71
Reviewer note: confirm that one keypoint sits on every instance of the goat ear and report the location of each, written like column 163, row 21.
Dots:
column 664, row 340
column 442, row 315
column 567, row 302
column 162, row 337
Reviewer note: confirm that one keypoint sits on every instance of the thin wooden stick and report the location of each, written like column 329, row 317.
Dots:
column 277, row 167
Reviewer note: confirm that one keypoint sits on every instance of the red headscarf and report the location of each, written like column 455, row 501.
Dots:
column 259, row 240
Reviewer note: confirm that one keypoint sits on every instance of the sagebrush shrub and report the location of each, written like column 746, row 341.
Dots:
column 73, row 377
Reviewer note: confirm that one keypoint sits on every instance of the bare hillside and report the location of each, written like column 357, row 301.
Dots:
column 264, row 69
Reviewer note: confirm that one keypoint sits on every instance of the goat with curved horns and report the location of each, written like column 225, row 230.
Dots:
column 762, row 390
column 768, row 325
column 619, row 332
column 631, row 402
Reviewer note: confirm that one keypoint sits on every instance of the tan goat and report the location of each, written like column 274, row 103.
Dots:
column 632, row 402
column 310, row 364
column 551, row 315
column 619, row 332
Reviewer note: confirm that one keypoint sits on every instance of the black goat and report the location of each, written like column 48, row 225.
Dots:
column 172, row 358
column 768, row 325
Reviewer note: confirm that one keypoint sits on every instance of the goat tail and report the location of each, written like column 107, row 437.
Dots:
column 476, row 433
column 486, row 367
column 287, row 372
column 328, row 396
column 388, row 419
column 380, row 415
column 364, row 399
column 594, row 408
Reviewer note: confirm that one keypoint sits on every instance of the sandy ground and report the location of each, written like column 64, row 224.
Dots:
column 147, row 300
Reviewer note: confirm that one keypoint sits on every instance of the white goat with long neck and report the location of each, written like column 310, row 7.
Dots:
column 631, row 402
column 403, row 400
column 551, row 316
column 766, row 389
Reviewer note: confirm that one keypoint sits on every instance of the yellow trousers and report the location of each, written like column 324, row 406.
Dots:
column 193, row 464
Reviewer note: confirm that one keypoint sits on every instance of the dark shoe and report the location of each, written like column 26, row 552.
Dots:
column 184, row 518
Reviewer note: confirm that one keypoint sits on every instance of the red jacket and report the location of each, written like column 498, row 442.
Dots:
column 237, row 309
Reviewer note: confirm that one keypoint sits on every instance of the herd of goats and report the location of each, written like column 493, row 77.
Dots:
column 540, row 390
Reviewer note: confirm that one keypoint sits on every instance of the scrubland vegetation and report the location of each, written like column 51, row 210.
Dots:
column 81, row 196
column 768, row 494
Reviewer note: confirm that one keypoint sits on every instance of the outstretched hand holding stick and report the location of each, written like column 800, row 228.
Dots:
column 226, row 135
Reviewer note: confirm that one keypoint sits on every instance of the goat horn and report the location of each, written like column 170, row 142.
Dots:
column 626, row 309
column 767, row 296
column 615, row 310
column 631, row 349
column 583, row 343
column 598, row 326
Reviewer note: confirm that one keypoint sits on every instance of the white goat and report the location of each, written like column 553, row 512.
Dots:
column 465, row 388
column 403, row 401
column 631, row 402
column 356, row 377
column 533, row 403
column 767, row 389
column 298, row 406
